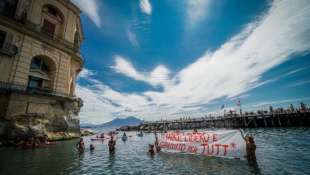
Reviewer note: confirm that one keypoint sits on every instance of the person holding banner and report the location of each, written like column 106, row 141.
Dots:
column 157, row 147
column 250, row 146
column 151, row 151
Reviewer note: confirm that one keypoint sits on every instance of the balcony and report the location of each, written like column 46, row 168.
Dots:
column 9, row 49
column 6, row 88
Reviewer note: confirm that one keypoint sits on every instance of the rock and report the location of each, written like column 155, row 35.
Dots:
column 56, row 118
column 87, row 132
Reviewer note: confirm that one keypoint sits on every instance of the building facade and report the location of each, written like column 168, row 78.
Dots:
column 39, row 62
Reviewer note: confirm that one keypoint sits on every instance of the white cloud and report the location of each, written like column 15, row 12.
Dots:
column 159, row 76
column 133, row 39
column 197, row 10
column 146, row 7
column 86, row 73
column 101, row 103
column 298, row 83
column 90, row 8
column 233, row 69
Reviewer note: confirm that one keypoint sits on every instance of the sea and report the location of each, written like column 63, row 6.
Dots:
column 279, row 151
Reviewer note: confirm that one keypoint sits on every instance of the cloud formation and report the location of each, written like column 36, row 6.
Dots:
column 90, row 8
column 146, row 7
column 197, row 10
column 230, row 71
column 159, row 76
column 133, row 39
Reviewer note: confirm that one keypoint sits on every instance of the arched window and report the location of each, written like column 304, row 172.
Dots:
column 77, row 41
column 41, row 74
column 52, row 21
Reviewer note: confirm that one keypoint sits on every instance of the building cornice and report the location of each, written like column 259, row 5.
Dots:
column 71, row 6
column 31, row 30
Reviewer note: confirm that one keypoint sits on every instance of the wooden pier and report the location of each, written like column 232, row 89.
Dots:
column 267, row 119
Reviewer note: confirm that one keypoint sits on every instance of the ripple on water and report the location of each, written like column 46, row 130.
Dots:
column 279, row 151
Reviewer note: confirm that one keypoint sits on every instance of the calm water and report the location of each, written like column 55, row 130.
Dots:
column 279, row 151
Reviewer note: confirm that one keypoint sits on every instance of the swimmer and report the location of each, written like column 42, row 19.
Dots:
column 80, row 146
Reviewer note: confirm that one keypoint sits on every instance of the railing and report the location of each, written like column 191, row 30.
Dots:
column 9, row 49
column 221, row 117
column 17, row 88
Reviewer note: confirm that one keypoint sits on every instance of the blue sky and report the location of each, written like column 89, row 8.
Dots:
column 168, row 59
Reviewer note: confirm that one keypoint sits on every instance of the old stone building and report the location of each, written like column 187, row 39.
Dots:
column 39, row 62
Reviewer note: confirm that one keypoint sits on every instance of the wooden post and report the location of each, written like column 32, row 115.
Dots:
column 279, row 121
column 288, row 120
column 265, row 122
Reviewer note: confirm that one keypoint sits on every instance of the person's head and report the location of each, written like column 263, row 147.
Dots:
column 151, row 147
column 81, row 139
column 112, row 138
column 251, row 140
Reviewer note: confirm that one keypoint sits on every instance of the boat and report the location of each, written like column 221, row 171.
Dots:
column 124, row 138
column 140, row 134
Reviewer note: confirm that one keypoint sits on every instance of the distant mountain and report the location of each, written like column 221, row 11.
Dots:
column 87, row 125
column 116, row 123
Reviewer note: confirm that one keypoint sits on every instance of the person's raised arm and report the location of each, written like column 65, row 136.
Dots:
column 242, row 133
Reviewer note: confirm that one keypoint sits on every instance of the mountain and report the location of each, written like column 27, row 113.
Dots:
column 116, row 123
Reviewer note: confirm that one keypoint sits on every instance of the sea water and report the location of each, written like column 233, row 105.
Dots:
column 279, row 151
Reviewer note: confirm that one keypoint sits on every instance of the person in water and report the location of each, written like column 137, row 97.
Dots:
column 157, row 147
column 124, row 135
column 151, row 151
column 250, row 146
column 111, row 145
column 80, row 146
column 44, row 140
column 91, row 147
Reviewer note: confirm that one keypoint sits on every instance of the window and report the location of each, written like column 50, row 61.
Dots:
column 52, row 11
column 77, row 40
column 38, row 63
column 34, row 82
column 35, row 63
column 2, row 38
column 2, row 7
column 8, row 7
column 48, row 27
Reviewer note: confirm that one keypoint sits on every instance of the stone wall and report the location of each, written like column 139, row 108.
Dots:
column 27, row 115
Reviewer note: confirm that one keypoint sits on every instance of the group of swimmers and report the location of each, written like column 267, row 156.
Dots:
column 32, row 141
column 155, row 148
column 80, row 146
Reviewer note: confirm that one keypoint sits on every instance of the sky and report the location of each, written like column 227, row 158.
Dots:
column 169, row 59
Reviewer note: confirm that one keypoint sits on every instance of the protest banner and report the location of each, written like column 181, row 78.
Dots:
column 221, row 143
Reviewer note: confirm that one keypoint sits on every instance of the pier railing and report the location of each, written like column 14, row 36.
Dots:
column 275, row 118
